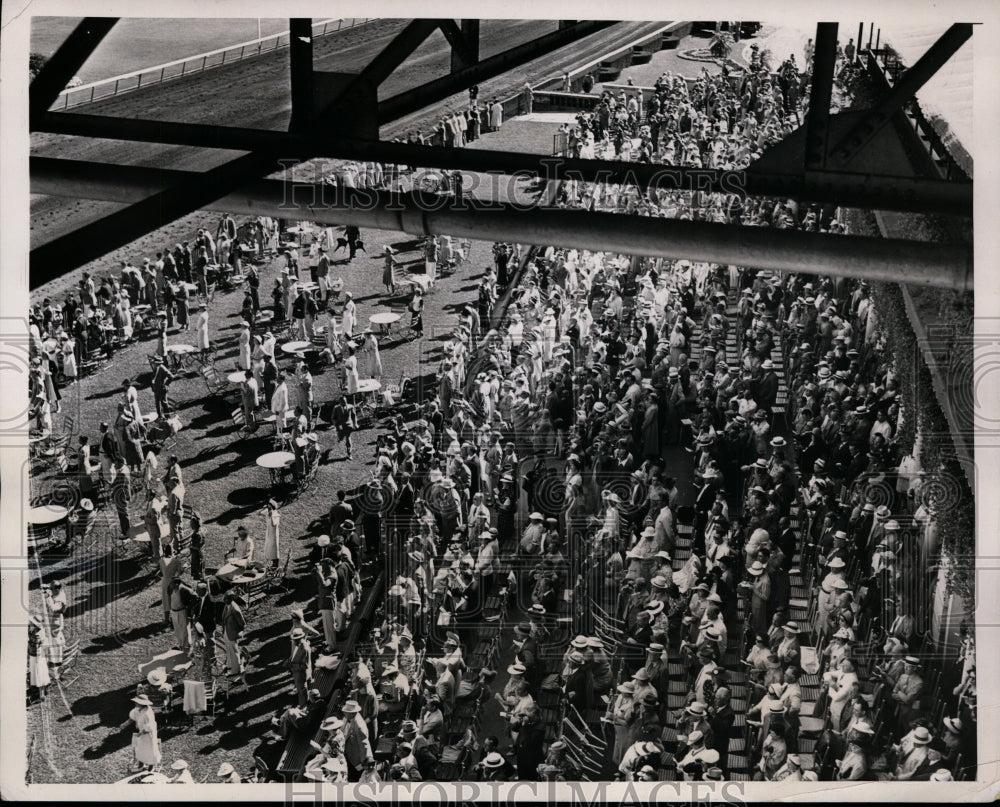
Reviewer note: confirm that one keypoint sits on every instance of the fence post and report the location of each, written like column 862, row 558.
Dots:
column 223, row 57
column 116, row 86
column 340, row 24
column 163, row 70
column 204, row 61
column 242, row 51
column 183, row 67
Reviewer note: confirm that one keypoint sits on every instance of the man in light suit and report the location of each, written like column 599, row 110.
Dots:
column 906, row 693
column 445, row 686
column 233, row 626
column 300, row 664
column 279, row 402
column 357, row 746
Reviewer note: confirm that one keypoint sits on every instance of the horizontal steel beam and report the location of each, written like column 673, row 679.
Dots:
column 944, row 265
column 873, row 192
column 191, row 191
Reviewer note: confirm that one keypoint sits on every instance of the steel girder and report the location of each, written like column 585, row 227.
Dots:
column 932, row 264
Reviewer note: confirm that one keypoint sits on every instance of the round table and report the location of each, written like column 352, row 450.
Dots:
column 230, row 570
column 181, row 349
column 367, row 386
column 276, row 462
column 385, row 320
column 46, row 514
column 295, row 347
column 247, row 577
column 237, row 377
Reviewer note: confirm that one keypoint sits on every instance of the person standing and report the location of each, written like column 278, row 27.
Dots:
column 161, row 380
column 197, row 548
column 233, row 627
column 249, row 399
column 389, row 271
column 326, row 584
column 121, row 495
column 431, row 250
column 272, row 533
column 145, row 742
column 279, row 403
column 357, row 745
column 496, row 115
column 300, row 664
column 345, row 420
column 181, row 298
column 350, row 318
column 203, row 340
column 181, row 596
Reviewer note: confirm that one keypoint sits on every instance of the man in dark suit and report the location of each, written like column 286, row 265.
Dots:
column 767, row 387
column 528, row 752
column 721, row 722
column 203, row 609
column 402, row 507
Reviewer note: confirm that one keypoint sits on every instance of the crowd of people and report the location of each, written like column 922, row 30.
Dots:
column 770, row 626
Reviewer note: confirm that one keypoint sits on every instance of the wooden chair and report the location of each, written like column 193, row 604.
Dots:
column 214, row 382
column 276, row 574
column 255, row 592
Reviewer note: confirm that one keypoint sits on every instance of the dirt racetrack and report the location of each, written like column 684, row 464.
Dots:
column 255, row 93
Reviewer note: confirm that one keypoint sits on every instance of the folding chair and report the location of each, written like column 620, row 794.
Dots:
column 277, row 574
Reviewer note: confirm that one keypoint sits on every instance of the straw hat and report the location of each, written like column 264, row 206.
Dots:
column 225, row 769
column 179, row 764
column 157, row 677
column 142, row 700
column 493, row 760
column 351, row 708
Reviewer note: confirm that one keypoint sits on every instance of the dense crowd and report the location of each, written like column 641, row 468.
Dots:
column 772, row 627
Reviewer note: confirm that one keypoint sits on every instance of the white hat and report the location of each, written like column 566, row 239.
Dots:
column 179, row 764
column 225, row 769
column 157, row 677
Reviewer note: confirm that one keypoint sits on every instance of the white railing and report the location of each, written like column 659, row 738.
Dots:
column 116, row 85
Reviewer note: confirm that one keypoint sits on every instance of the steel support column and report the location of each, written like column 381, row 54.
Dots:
column 462, row 55
column 944, row 265
column 821, row 95
column 193, row 192
column 66, row 62
column 300, row 56
column 902, row 91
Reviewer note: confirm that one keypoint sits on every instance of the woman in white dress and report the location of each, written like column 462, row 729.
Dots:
column 145, row 742
column 69, row 359
column 244, row 359
column 38, row 663
column 350, row 315
column 203, row 341
column 351, row 370
column 842, row 685
column 272, row 533
column 373, row 360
